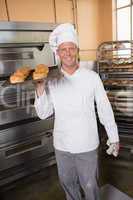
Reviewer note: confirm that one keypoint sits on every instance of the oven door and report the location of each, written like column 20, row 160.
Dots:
column 25, row 148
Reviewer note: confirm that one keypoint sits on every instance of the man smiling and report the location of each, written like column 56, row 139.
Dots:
column 71, row 99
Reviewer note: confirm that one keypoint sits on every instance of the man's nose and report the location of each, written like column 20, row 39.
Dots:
column 67, row 51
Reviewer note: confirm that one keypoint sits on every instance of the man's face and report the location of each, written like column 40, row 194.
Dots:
column 68, row 53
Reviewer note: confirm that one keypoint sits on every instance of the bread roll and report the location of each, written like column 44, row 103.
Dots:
column 25, row 70
column 20, row 75
column 16, row 78
column 41, row 71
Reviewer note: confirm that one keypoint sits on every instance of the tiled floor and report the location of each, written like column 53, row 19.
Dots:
column 43, row 186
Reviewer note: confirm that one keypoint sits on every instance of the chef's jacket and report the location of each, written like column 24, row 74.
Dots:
column 72, row 99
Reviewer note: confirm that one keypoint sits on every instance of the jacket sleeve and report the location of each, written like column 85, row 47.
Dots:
column 105, row 112
column 43, row 105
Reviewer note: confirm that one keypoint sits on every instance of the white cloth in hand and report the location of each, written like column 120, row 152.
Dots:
column 113, row 148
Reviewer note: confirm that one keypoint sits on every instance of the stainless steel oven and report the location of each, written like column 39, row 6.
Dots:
column 26, row 142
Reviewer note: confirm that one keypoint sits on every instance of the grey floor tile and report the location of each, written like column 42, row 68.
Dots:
column 109, row 192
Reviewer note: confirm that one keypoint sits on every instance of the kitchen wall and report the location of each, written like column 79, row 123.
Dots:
column 3, row 11
column 51, row 11
column 93, row 18
column 87, row 20
column 105, row 20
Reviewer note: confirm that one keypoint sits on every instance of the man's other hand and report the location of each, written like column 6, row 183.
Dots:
column 113, row 148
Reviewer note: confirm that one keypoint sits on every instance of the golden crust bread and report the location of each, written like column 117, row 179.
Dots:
column 41, row 71
column 16, row 78
column 41, row 68
column 20, row 75
column 25, row 70
column 38, row 76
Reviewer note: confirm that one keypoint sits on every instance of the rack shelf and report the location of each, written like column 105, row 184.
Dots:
column 115, row 67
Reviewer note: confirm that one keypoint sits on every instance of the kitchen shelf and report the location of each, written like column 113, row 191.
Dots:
column 115, row 67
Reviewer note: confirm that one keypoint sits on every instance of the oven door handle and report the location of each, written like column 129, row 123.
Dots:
column 22, row 148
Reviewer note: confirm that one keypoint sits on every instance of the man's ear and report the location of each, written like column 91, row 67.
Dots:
column 78, row 57
column 57, row 52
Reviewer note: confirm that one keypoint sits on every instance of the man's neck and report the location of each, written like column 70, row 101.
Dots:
column 70, row 70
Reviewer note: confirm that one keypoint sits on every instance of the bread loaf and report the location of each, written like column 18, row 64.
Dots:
column 25, row 70
column 41, row 71
column 16, row 78
column 20, row 75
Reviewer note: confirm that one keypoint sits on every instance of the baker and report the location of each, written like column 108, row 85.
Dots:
column 71, row 98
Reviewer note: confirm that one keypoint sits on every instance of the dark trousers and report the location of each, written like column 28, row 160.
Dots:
column 78, row 171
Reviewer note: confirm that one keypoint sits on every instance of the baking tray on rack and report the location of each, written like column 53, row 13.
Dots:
column 118, row 75
column 124, row 87
column 29, row 79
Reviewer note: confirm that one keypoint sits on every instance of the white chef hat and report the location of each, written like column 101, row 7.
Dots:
column 63, row 33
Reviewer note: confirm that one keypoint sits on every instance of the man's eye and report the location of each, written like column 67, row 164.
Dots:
column 62, row 50
column 65, row 50
column 72, row 49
